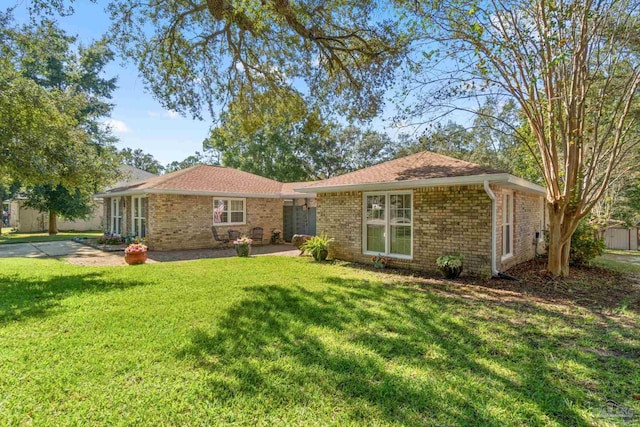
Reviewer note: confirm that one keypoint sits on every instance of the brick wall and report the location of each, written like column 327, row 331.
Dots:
column 446, row 220
column 184, row 222
column 527, row 220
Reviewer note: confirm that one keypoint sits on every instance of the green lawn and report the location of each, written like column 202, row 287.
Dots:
column 10, row 237
column 622, row 261
column 284, row 341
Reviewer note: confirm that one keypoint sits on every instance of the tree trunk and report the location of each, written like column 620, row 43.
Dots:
column 53, row 223
column 566, row 251
column 562, row 225
column 554, row 252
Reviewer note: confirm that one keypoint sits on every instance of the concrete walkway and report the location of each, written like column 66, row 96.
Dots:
column 79, row 254
column 73, row 252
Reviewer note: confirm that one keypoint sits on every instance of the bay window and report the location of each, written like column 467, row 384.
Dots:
column 388, row 226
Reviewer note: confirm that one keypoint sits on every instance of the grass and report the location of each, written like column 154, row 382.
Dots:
column 621, row 261
column 9, row 236
column 284, row 341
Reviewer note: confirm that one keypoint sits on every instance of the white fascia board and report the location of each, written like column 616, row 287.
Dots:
column 432, row 182
column 415, row 183
column 190, row 193
column 525, row 185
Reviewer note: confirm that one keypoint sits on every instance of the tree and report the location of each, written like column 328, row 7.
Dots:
column 280, row 136
column 75, row 155
column 58, row 201
column 571, row 68
column 141, row 160
column 193, row 160
column 195, row 54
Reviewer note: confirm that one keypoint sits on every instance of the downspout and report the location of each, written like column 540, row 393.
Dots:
column 494, row 215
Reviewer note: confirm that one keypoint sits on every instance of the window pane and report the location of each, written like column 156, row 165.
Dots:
column 375, row 208
column 375, row 238
column 237, row 205
column 400, row 209
column 401, row 240
column 237, row 217
column 143, row 207
column 143, row 231
column 136, row 204
column 506, row 235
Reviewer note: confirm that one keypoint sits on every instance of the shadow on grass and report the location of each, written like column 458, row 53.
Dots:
column 391, row 354
column 22, row 298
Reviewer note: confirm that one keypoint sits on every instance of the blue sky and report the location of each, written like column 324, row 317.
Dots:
column 137, row 120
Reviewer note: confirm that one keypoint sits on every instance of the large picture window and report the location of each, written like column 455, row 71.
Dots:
column 507, row 224
column 116, row 216
column 229, row 211
column 139, row 216
column 388, row 226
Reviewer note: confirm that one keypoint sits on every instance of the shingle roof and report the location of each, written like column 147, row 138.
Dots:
column 211, row 179
column 422, row 165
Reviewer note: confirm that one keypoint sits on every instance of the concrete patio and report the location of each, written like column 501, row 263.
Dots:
column 79, row 254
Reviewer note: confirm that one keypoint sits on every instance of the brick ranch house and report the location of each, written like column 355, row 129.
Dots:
column 417, row 208
column 177, row 210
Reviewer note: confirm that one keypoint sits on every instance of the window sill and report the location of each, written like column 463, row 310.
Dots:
column 391, row 256
column 506, row 257
column 227, row 224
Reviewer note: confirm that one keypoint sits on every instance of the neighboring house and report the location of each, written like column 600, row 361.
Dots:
column 29, row 220
column 420, row 207
column 177, row 210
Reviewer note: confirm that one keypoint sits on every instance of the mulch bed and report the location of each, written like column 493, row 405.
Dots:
column 592, row 287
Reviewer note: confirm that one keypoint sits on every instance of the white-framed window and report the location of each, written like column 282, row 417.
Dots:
column 139, row 216
column 388, row 224
column 227, row 211
column 507, row 224
column 116, row 216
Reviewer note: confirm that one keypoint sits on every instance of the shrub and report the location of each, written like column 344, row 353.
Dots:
column 110, row 239
column 318, row 246
column 585, row 245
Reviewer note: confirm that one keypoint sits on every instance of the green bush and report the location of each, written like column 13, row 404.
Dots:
column 318, row 246
column 585, row 245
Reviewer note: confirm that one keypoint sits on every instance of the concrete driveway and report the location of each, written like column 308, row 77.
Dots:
column 75, row 253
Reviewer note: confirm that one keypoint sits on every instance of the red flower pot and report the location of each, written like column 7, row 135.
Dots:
column 135, row 258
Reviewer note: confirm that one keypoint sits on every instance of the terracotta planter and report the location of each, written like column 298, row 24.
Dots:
column 135, row 258
column 243, row 250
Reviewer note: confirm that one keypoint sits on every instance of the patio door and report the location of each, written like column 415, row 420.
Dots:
column 116, row 216
column 139, row 216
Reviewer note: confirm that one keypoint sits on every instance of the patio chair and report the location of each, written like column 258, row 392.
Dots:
column 256, row 234
column 233, row 235
column 217, row 238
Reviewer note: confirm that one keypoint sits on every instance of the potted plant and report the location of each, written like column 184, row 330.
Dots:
column 243, row 246
column 379, row 261
column 135, row 253
column 318, row 246
column 450, row 265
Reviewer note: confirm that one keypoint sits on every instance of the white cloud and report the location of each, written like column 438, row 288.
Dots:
column 170, row 114
column 117, row 126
